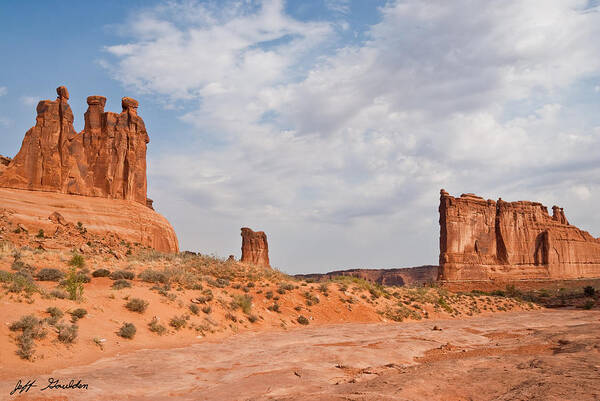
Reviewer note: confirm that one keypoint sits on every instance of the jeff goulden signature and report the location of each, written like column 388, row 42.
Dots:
column 53, row 384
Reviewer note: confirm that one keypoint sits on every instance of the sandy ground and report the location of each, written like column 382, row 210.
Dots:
column 536, row 355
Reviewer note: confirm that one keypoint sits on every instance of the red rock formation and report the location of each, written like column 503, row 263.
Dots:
column 127, row 220
column 4, row 162
column 486, row 240
column 255, row 249
column 107, row 159
column 399, row 276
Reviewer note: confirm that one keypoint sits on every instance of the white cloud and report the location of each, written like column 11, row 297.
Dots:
column 30, row 100
column 3, row 90
column 597, row 88
column 340, row 6
column 350, row 147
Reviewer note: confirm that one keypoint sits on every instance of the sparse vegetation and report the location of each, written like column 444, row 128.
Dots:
column 194, row 309
column 128, row 330
column 101, row 273
column 67, row 333
column 589, row 291
column 137, row 305
column 50, row 275
column 120, row 284
column 77, row 260
column 40, row 234
column 252, row 318
column 156, row 327
column 122, row 275
column 31, row 329
column 179, row 322
column 207, row 309
column 73, row 284
column 302, row 320
column 153, row 276
column 242, row 301
column 55, row 315
column 77, row 314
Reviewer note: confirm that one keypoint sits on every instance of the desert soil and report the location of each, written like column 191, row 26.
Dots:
column 534, row 355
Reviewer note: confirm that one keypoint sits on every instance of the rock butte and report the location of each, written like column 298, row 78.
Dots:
column 418, row 275
column 505, row 241
column 105, row 160
column 255, row 249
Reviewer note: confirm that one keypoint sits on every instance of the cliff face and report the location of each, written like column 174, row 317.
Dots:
column 486, row 240
column 255, row 249
column 107, row 159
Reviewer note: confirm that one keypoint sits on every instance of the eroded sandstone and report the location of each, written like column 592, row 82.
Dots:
column 107, row 159
column 255, row 249
column 487, row 240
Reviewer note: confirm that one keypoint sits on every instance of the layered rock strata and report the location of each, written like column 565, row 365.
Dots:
column 107, row 159
column 497, row 240
column 255, row 249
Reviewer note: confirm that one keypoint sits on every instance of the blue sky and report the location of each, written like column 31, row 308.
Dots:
column 331, row 124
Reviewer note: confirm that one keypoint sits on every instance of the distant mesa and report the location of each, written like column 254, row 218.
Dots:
column 105, row 160
column 411, row 276
column 505, row 241
column 255, row 249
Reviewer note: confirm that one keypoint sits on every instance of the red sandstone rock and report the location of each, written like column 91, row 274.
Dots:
column 255, row 249
column 107, row 159
column 486, row 240
column 4, row 162
column 124, row 219
column 57, row 218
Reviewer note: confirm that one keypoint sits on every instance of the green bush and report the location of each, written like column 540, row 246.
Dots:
column 137, row 305
column 153, row 276
column 22, row 281
column 77, row 260
column 120, row 284
column 101, row 273
column 50, row 275
column 73, row 284
column 122, row 275
column 128, row 330
column 302, row 320
column 156, row 327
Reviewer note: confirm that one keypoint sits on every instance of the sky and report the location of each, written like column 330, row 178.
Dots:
column 329, row 124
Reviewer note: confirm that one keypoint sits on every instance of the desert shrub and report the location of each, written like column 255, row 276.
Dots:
column 120, row 284
column 242, row 301
column 101, row 273
column 274, row 308
column 40, row 234
column 60, row 294
column 589, row 304
column 231, row 317
column 442, row 302
column 302, row 320
column 589, row 291
column 297, row 308
column 21, row 281
column 25, row 346
column 73, row 284
column 122, row 275
column 400, row 313
column 179, row 322
column 55, row 314
column 206, row 296
column 77, row 260
column 206, row 309
column 269, row 294
column 194, row 309
column 283, row 287
column 219, row 283
column 250, row 284
column 311, row 299
column 156, row 327
column 137, row 305
column 50, row 275
column 6, row 277
column 128, row 330
column 153, row 276
column 252, row 318
column 78, row 314
column 323, row 288
column 31, row 328
column 67, row 333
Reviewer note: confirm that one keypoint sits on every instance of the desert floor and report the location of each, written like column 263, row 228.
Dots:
column 533, row 355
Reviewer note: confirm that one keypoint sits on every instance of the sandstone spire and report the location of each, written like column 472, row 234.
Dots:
column 255, row 249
